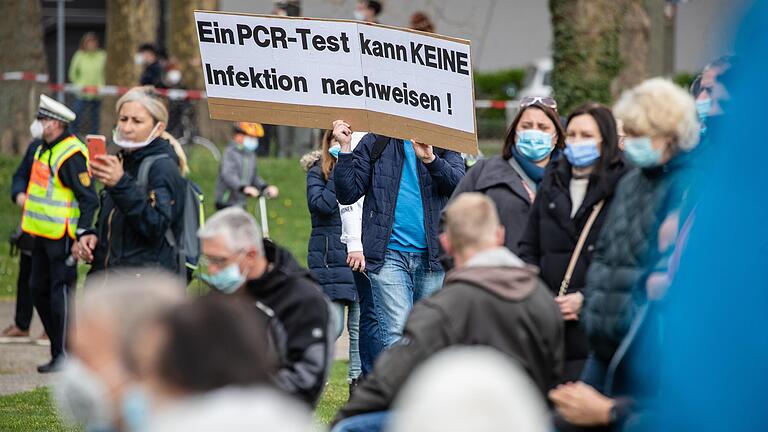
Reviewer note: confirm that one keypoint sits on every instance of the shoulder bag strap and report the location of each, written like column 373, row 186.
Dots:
column 579, row 246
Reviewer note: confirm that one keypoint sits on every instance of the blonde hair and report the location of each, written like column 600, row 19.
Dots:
column 657, row 107
column 471, row 220
column 153, row 103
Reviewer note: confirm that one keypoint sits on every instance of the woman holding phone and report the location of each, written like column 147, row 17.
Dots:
column 134, row 218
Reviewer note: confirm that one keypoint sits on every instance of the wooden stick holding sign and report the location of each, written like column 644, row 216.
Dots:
column 309, row 72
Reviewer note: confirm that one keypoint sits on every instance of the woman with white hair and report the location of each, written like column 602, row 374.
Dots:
column 662, row 130
column 134, row 218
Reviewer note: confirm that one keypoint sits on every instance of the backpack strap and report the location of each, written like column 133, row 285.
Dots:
column 378, row 147
column 142, row 179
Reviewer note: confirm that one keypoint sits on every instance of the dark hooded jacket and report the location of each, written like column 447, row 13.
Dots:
column 326, row 254
column 494, row 300
column 132, row 221
column 496, row 178
column 299, row 320
column 628, row 249
column 551, row 235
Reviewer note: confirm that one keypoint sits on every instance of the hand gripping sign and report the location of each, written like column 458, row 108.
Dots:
column 308, row 72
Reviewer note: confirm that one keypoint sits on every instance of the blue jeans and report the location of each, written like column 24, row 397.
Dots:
column 370, row 342
column 87, row 111
column 353, row 326
column 404, row 279
column 370, row 422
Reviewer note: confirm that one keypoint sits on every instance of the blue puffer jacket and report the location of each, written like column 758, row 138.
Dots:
column 327, row 258
column 379, row 183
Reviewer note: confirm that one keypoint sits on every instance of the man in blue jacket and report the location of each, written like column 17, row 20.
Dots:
column 406, row 185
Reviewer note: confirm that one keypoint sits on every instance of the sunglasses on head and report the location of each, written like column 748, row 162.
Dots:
column 543, row 100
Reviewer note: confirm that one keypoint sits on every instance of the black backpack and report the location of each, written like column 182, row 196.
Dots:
column 187, row 245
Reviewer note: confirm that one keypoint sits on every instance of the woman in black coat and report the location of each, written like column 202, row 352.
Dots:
column 327, row 257
column 568, row 195
column 534, row 140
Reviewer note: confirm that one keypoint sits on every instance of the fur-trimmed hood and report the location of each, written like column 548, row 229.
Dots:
column 309, row 159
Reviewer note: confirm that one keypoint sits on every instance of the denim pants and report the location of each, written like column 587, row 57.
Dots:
column 369, row 422
column 404, row 279
column 370, row 342
column 353, row 326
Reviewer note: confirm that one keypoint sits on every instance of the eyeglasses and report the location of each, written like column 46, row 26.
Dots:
column 543, row 100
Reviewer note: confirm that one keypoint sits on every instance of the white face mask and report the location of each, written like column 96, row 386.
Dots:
column 36, row 129
column 82, row 397
column 173, row 77
column 138, row 59
column 359, row 15
column 128, row 144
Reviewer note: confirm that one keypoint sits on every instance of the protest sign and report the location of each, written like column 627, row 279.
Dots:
column 309, row 72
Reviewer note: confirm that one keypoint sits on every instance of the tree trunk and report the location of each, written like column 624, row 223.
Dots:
column 634, row 48
column 183, row 47
column 21, row 50
column 599, row 48
column 129, row 24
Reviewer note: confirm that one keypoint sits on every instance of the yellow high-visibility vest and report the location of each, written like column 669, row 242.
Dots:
column 51, row 210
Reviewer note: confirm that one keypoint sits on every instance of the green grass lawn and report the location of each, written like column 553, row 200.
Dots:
column 289, row 226
column 33, row 410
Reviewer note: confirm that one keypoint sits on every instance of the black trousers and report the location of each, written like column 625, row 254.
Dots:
column 24, row 302
column 53, row 286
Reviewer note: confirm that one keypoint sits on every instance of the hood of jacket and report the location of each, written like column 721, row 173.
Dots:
column 282, row 267
column 310, row 159
column 500, row 271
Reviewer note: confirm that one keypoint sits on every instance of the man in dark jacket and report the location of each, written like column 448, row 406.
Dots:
column 301, row 325
column 22, row 243
column 406, row 187
column 491, row 298
column 149, row 55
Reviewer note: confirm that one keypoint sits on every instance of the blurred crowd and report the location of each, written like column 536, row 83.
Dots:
column 524, row 292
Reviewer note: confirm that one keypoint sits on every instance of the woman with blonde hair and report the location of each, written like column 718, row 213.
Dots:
column 134, row 218
column 637, row 238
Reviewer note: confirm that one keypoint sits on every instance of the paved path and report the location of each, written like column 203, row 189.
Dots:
column 19, row 360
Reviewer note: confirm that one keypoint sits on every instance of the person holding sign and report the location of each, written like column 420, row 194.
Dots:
column 406, row 185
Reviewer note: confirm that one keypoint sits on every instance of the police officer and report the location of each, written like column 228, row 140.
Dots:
column 60, row 204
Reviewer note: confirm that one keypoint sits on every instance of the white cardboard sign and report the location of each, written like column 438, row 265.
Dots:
column 307, row 72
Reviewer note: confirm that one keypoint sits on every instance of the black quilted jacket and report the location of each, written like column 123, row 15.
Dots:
column 625, row 251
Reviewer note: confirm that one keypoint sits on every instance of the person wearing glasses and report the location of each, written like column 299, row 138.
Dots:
column 572, row 202
column 511, row 180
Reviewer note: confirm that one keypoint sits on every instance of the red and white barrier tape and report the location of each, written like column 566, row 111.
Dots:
column 173, row 94
column 106, row 90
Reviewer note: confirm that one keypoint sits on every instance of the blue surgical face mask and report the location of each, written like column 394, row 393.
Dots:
column 250, row 143
column 534, row 144
column 582, row 153
column 136, row 409
column 334, row 150
column 703, row 107
column 640, row 152
column 227, row 280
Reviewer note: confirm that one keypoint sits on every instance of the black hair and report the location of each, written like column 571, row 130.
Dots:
column 375, row 5
column 606, row 123
column 213, row 342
